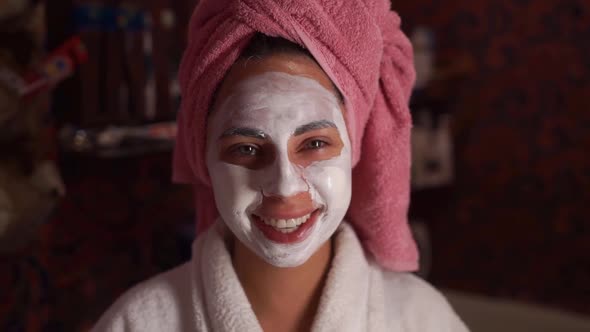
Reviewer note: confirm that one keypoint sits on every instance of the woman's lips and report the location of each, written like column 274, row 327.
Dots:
column 286, row 231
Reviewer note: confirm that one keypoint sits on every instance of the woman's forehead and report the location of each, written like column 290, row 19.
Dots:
column 280, row 90
column 292, row 64
column 278, row 99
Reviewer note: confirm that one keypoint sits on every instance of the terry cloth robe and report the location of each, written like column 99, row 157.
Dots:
column 205, row 295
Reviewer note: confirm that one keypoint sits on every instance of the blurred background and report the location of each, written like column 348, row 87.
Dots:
column 88, row 98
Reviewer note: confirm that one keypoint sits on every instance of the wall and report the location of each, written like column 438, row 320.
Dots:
column 120, row 223
column 515, row 223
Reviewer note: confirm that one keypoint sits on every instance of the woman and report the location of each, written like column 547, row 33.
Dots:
column 271, row 135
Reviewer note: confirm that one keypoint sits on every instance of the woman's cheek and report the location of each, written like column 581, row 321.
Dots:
column 332, row 182
column 231, row 189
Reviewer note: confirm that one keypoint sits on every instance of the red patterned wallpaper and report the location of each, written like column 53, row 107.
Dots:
column 516, row 221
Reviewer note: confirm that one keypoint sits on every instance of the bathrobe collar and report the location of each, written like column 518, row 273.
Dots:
column 352, row 298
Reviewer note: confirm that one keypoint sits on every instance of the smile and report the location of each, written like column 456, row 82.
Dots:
column 286, row 231
column 286, row 225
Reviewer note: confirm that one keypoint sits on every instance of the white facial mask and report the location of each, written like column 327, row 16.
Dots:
column 276, row 104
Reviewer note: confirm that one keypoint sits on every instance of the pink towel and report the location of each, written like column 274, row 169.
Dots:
column 360, row 46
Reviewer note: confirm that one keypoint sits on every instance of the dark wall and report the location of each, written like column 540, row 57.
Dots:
column 120, row 223
column 516, row 221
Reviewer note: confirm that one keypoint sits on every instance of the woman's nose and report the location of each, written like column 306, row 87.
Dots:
column 284, row 179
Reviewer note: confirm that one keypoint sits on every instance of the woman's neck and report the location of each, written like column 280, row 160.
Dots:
column 283, row 299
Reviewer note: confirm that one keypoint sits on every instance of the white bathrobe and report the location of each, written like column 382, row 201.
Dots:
column 206, row 295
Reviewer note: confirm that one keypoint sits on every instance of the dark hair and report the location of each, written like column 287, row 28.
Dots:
column 262, row 46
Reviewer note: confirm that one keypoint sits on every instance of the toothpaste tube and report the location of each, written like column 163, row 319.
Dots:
column 59, row 65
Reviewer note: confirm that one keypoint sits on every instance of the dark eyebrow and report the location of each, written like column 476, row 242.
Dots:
column 243, row 131
column 314, row 126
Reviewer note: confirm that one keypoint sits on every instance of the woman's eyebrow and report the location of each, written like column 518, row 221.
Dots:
column 244, row 131
column 314, row 126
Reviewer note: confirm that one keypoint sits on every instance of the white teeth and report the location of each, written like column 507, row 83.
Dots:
column 286, row 225
column 302, row 220
column 291, row 223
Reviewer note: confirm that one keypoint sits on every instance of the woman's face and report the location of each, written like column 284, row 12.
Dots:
column 279, row 157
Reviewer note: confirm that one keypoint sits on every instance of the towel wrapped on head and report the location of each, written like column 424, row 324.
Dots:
column 360, row 46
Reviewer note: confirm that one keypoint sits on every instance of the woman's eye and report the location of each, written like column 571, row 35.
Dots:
column 246, row 150
column 315, row 144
